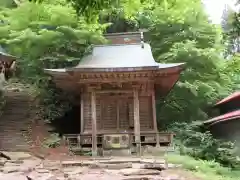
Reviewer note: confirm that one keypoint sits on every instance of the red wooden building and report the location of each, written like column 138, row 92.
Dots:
column 226, row 125
column 118, row 84
column 228, row 109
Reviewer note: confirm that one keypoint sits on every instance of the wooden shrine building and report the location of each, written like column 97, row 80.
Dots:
column 118, row 83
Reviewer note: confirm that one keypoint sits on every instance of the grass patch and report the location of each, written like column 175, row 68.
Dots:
column 206, row 170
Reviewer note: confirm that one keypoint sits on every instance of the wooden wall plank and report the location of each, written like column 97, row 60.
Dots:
column 145, row 113
column 82, row 113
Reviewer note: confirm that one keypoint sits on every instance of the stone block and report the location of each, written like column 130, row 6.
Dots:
column 115, row 166
column 17, row 155
column 117, row 152
column 139, row 172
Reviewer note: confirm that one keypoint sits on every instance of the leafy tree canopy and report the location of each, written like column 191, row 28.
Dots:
column 50, row 34
column 231, row 27
column 183, row 34
column 46, row 36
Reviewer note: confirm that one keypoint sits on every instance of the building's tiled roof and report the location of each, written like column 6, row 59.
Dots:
column 225, row 117
column 229, row 98
column 119, row 57
column 114, row 56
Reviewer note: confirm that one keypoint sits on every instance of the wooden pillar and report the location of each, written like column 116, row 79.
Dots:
column 82, row 113
column 136, row 121
column 118, row 114
column 94, row 123
column 155, row 125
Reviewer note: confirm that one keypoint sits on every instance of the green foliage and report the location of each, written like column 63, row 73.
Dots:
column 53, row 33
column 91, row 7
column 51, row 36
column 52, row 142
column 233, row 70
column 235, row 21
column 7, row 3
column 204, row 169
column 183, row 34
column 231, row 27
column 202, row 145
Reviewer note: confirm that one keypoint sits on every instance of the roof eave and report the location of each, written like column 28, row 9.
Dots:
column 124, row 69
column 111, row 69
column 227, row 99
column 7, row 57
column 223, row 117
column 223, row 120
column 55, row 72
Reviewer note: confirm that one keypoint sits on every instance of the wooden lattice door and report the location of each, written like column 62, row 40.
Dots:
column 108, row 113
column 123, row 114
column 115, row 113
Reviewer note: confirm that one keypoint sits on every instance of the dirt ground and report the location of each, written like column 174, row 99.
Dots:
column 57, row 164
column 184, row 174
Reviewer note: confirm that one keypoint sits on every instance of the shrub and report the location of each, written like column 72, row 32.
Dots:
column 204, row 169
column 191, row 139
column 52, row 142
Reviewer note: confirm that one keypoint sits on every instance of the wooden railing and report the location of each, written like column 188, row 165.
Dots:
column 78, row 140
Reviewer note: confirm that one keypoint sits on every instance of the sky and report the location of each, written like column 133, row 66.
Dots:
column 215, row 8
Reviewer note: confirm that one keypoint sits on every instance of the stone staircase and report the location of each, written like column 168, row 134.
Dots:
column 15, row 121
